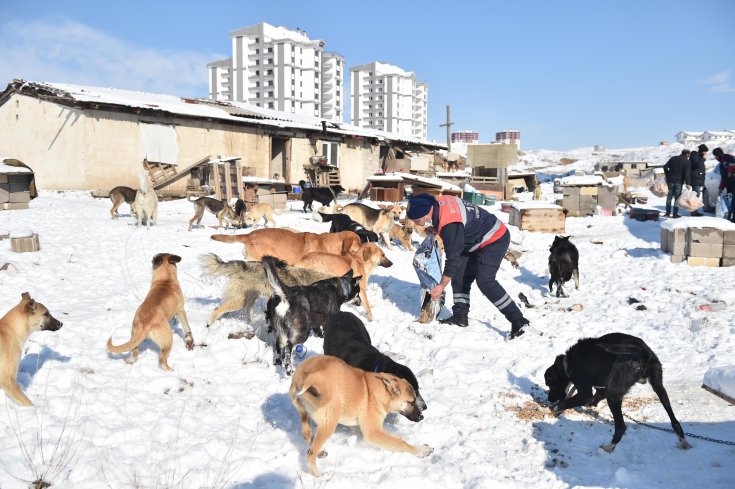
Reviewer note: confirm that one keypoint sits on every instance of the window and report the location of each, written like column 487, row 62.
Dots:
column 331, row 151
column 257, row 51
column 270, row 50
column 257, row 94
column 257, row 62
column 338, row 82
column 270, row 61
column 257, row 39
column 293, row 93
column 316, row 84
column 270, row 105
column 270, row 72
column 257, row 72
column 270, row 94
column 338, row 63
column 257, row 83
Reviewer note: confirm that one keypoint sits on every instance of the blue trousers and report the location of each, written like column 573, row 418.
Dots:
column 481, row 266
column 674, row 193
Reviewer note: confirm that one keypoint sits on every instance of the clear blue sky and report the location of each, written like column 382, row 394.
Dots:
column 567, row 74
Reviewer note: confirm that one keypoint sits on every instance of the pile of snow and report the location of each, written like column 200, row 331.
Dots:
column 721, row 379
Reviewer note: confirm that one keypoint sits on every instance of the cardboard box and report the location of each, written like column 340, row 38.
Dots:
column 700, row 261
column 23, row 245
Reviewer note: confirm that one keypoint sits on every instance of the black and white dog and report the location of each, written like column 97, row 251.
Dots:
column 342, row 222
column 610, row 364
column 323, row 195
column 293, row 312
column 346, row 337
column 563, row 264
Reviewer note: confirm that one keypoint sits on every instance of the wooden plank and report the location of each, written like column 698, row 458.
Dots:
column 719, row 394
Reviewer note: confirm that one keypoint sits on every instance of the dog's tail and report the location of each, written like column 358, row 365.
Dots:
column 269, row 265
column 214, row 267
column 190, row 199
column 132, row 343
column 143, row 182
column 326, row 217
column 229, row 238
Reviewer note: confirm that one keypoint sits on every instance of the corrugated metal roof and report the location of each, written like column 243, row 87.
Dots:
column 201, row 108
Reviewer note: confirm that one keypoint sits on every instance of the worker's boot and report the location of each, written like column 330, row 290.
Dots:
column 456, row 319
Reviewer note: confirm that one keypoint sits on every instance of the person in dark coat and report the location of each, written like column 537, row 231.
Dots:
column 697, row 170
column 677, row 173
column 727, row 177
column 475, row 242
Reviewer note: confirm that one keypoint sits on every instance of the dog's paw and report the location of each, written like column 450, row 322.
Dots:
column 322, row 454
column 424, row 451
column 609, row 447
column 189, row 341
column 683, row 444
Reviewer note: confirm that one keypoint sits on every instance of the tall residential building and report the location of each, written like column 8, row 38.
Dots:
column 508, row 136
column 467, row 137
column 388, row 98
column 277, row 68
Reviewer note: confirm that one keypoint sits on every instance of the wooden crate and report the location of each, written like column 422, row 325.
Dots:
column 547, row 218
column 23, row 245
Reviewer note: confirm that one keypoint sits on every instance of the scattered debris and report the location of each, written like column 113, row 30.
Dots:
column 9, row 267
column 248, row 335
column 575, row 308
column 594, row 241
column 512, row 256
column 522, row 297
column 633, row 300
column 641, row 308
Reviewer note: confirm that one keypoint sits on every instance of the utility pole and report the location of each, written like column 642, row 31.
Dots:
column 449, row 123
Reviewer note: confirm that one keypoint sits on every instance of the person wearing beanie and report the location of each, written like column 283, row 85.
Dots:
column 697, row 171
column 677, row 174
column 475, row 242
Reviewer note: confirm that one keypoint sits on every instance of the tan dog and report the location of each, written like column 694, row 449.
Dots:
column 379, row 221
column 258, row 212
column 246, row 281
column 220, row 209
column 404, row 233
column 329, row 392
column 362, row 264
column 164, row 301
column 15, row 328
column 289, row 246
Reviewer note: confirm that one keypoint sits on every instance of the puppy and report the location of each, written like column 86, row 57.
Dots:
column 329, row 392
column 346, row 337
column 342, row 222
column 362, row 264
column 15, row 327
column 379, row 221
column 218, row 208
column 611, row 364
column 258, row 212
column 246, row 281
column 403, row 234
column 163, row 302
column 145, row 205
column 120, row 195
column 563, row 264
column 294, row 311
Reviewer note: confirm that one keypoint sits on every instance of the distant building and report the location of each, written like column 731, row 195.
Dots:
column 508, row 136
column 468, row 137
column 718, row 137
column 281, row 69
column 689, row 137
column 387, row 98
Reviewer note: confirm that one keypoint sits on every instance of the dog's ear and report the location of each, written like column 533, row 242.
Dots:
column 174, row 258
column 25, row 296
column 348, row 274
column 351, row 245
column 391, row 385
column 157, row 260
column 31, row 306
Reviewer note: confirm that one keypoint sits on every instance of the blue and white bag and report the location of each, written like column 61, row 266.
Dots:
column 724, row 204
column 428, row 265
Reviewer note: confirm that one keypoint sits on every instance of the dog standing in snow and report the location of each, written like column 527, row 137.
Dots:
column 146, row 201
column 563, row 264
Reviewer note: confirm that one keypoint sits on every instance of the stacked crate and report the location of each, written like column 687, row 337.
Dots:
column 14, row 191
column 537, row 216
column 704, row 246
column 582, row 200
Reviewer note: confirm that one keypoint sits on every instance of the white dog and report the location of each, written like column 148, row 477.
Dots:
column 146, row 201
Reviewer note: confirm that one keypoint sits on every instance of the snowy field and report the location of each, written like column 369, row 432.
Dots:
column 223, row 418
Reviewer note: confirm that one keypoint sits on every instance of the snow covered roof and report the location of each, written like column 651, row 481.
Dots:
column 7, row 169
column 534, row 204
column 236, row 112
column 698, row 222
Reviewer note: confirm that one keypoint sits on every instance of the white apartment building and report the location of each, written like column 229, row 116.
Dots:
column 390, row 99
column 280, row 69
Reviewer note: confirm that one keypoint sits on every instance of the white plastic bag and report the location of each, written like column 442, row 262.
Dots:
column 659, row 187
column 688, row 200
column 723, row 205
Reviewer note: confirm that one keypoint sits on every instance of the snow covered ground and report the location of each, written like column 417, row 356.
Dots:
column 223, row 418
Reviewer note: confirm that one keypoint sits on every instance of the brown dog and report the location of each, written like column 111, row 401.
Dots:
column 164, row 301
column 289, row 246
column 362, row 264
column 379, row 221
column 217, row 207
column 403, row 233
column 327, row 391
column 120, row 195
column 15, row 327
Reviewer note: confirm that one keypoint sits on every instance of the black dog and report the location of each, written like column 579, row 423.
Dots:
column 294, row 311
column 611, row 364
column 563, row 264
column 345, row 337
column 324, row 195
column 341, row 222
